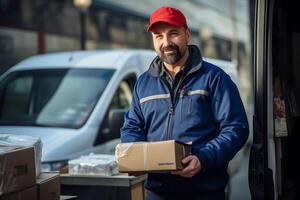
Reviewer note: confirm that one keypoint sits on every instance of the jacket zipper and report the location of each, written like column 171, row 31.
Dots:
column 170, row 117
column 171, row 107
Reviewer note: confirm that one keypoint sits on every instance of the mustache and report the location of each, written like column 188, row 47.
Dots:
column 169, row 48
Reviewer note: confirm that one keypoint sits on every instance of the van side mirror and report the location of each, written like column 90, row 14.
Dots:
column 115, row 122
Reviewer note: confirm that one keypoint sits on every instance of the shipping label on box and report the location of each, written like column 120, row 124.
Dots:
column 17, row 168
column 151, row 156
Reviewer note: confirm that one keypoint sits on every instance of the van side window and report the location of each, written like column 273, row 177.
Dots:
column 122, row 97
column 114, row 117
column 16, row 97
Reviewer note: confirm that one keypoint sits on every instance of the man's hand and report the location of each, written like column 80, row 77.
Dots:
column 193, row 166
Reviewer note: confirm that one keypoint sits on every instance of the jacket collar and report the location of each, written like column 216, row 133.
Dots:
column 195, row 58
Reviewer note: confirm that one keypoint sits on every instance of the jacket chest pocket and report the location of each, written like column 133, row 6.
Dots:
column 194, row 104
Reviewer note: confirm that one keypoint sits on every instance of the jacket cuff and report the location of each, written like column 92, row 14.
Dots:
column 204, row 160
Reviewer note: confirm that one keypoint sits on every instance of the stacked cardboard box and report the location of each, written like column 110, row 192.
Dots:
column 25, row 141
column 26, row 194
column 17, row 173
column 18, row 179
column 48, row 186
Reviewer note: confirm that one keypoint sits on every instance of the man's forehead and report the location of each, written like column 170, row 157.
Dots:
column 165, row 27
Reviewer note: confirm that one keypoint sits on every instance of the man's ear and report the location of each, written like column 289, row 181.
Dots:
column 188, row 34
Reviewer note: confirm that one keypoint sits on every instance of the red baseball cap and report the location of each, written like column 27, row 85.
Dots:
column 168, row 15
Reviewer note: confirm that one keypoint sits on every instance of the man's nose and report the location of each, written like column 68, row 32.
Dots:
column 166, row 41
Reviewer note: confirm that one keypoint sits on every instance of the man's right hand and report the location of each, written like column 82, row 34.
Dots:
column 193, row 166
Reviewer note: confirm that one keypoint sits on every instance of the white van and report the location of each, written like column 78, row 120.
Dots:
column 74, row 101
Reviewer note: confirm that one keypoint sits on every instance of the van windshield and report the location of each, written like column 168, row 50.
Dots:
column 51, row 97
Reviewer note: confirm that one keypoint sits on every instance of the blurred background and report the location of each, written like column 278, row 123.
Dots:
column 222, row 29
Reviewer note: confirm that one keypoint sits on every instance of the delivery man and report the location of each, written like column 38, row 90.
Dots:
column 185, row 98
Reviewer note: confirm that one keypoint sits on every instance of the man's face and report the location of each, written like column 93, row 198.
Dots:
column 170, row 42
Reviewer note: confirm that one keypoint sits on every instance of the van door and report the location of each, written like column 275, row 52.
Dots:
column 114, row 117
column 260, row 175
column 273, row 168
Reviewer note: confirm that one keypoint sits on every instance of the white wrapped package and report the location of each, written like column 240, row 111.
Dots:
column 94, row 164
column 25, row 141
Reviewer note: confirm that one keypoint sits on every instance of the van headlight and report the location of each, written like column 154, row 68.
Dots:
column 54, row 166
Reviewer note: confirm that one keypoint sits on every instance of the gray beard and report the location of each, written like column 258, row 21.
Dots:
column 171, row 59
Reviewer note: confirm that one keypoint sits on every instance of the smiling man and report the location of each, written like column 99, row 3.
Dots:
column 185, row 98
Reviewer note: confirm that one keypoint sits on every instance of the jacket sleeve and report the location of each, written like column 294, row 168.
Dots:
column 133, row 127
column 229, row 113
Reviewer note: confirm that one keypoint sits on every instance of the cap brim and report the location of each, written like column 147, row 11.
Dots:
column 163, row 21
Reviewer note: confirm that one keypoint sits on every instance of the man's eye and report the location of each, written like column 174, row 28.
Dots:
column 158, row 37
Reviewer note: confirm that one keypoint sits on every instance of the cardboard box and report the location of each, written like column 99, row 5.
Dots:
column 151, row 156
column 48, row 185
column 25, row 141
column 17, row 168
column 26, row 194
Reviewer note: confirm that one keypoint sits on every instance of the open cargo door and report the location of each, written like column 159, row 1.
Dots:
column 273, row 168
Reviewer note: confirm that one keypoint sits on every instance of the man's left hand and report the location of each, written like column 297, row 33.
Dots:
column 193, row 166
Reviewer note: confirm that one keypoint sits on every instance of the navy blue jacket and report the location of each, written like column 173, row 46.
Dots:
column 207, row 110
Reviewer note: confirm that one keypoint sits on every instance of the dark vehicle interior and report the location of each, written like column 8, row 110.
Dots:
column 286, row 87
column 274, row 165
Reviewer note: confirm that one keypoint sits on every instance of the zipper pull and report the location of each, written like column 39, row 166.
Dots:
column 183, row 91
column 171, row 110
